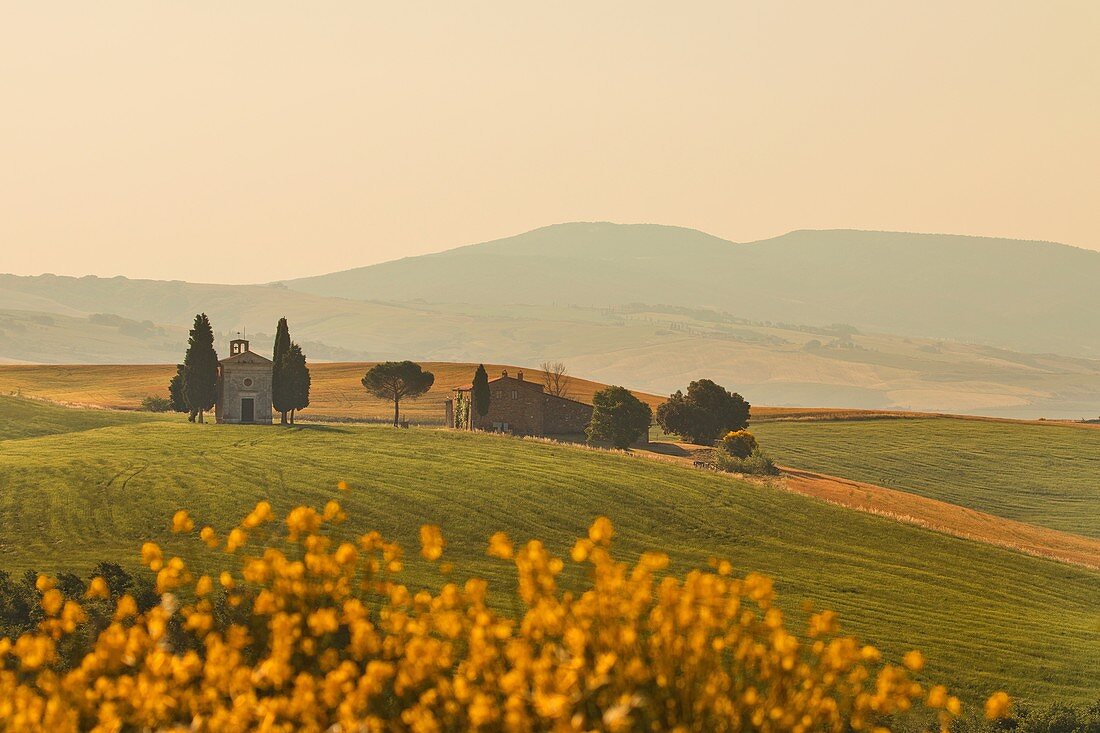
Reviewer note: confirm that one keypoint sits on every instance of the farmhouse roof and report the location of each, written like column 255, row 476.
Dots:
column 538, row 387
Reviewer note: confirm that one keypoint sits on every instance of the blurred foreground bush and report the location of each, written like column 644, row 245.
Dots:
column 308, row 633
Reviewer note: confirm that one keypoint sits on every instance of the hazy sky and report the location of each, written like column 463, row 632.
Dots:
column 252, row 141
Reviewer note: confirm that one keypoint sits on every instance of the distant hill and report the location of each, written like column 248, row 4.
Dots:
column 1024, row 295
column 761, row 318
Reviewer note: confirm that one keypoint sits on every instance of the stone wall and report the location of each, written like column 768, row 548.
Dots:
column 515, row 406
column 523, row 408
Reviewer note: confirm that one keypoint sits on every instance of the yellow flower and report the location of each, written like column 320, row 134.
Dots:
column 44, row 583
column 209, row 537
column 346, row 554
column 151, row 556
column 323, row 621
column 52, row 601
column 500, row 546
column 236, row 540
column 181, row 522
column 126, row 607
column 302, row 521
column 431, row 542
column 914, row 660
column 97, row 588
column 601, row 531
column 204, row 586
column 334, row 513
column 342, row 485
column 997, row 706
column 937, row 697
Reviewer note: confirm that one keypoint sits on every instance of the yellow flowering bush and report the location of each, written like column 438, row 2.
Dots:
column 306, row 633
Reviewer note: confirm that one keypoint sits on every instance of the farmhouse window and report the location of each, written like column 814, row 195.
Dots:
column 514, row 394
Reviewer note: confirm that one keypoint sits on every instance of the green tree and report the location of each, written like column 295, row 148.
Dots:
column 200, row 369
column 397, row 380
column 296, row 380
column 705, row 412
column 479, row 391
column 175, row 391
column 618, row 417
column 281, row 391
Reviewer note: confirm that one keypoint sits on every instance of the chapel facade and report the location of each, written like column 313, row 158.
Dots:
column 244, row 386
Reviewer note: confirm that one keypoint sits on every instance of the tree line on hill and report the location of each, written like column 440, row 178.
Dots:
column 707, row 414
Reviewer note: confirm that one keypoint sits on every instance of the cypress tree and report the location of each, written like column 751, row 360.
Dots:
column 296, row 379
column 175, row 391
column 281, row 397
column 479, row 391
column 200, row 369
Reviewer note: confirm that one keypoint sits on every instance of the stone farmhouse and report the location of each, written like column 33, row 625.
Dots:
column 520, row 407
column 244, row 386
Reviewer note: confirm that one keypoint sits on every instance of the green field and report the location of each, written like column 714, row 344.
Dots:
column 1047, row 475
column 986, row 617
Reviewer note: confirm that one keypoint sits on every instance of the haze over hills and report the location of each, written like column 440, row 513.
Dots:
column 1028, row 296
column 932, row 319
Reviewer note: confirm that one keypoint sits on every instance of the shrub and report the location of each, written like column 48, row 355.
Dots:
column 756, row 463
column 156, row 403
column 738, row 443
column 309, row 633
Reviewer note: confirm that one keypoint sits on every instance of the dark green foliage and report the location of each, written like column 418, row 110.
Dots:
column 756, row 463
column 118, row 580
column 704, row 413
column 70, row 585
column 738, row 443
column 20, row 611
column 295, row 380
column 156, row 403
column 200, row 369
column 281, row 397
column 397, row 380
column 175, row 391
column 618, row 417
column 480, row 391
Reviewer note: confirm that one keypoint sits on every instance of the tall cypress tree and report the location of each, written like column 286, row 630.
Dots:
column 175, row 391
column 296, row 379
column 281, row 397
column 480, row 391
column 200, row 369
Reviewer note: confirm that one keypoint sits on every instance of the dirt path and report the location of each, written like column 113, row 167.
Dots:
column 903, row 506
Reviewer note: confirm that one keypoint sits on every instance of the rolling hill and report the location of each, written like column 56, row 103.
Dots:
column 1028, row 296
column 988, row 618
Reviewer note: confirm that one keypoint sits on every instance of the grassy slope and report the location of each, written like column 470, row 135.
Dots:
column 21, row 418
column 336, row 391
column 986, row 617
column 1041, row 474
